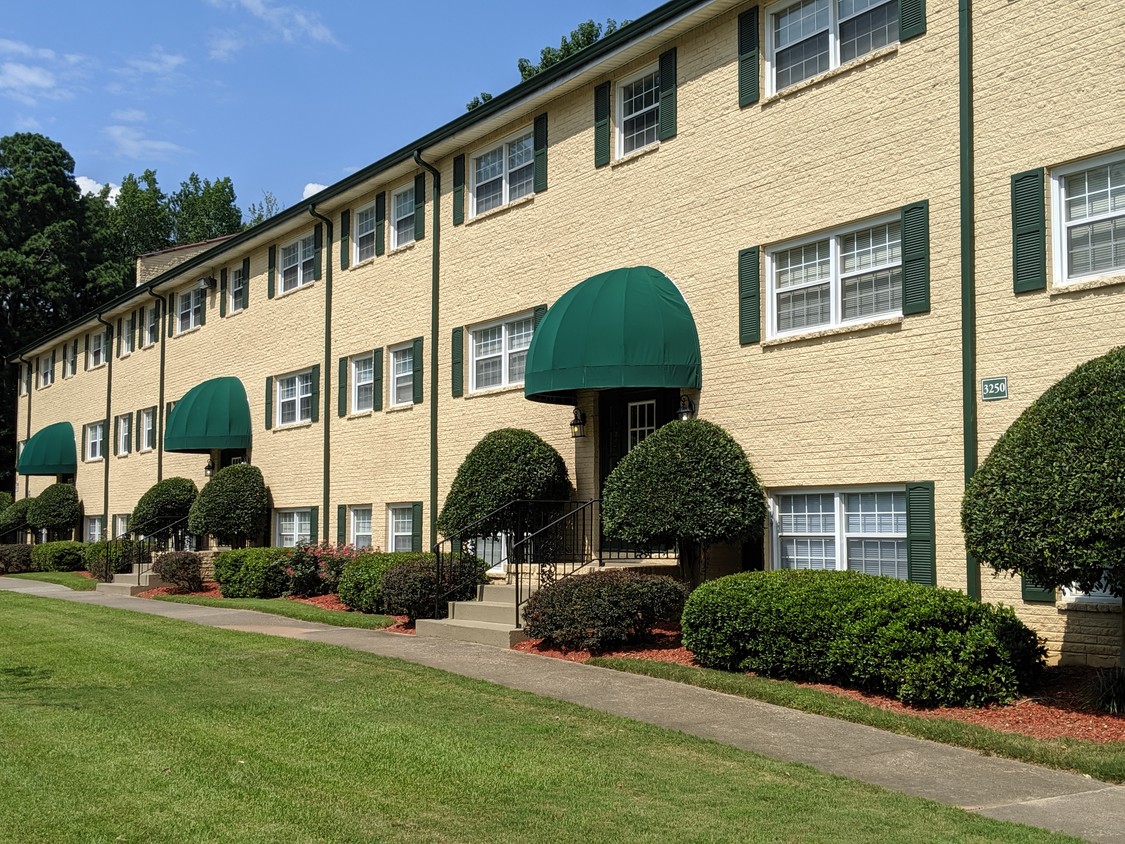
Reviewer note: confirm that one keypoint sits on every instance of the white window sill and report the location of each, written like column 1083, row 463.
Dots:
column 365, row 262
column 494, row 391
column 122, row 456
column 124, row 355
column 360, row 414
column 831, row 332
column 500, row 209
column 93, row 460
column 622, row 160
column 291, row 426
column 399, row 408
column 145, row 450
column 846, row 67
column 1086, row 284
column 94, row 366
column 1088, row 604
column 234, row 313
column 406, row 247
column 282, row 294
column 187, row 331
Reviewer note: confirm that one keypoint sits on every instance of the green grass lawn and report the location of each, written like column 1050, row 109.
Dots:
column 69, row 579
column 126, row 727
column 289, row 609
column 1103, row 761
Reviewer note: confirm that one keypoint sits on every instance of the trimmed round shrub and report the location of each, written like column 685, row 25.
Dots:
column 253, row 572
column 1048, row 500
column 105, row 559
column 233, row 506
column 411, row 588
column 14, row 518
column 58, row 556
column 15, row 559
column 165, row 505
column 181, row 568
column 55, row 510
column 924, row 646
column 602, row 609
column 361, row 584
column 510, row 464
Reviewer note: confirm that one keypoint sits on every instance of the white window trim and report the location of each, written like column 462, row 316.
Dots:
column 835, row 282
column 1073, row 595
column 353, row 398
column 1058, row 219
column 148, row 424
column 87, row 528
column 391, row 508
column 89, row 441
column 392, row 380
column 504, row 176
column 299, row 419
column 840, row 534
column 46, row 370
column 505, row 352
column 124, row 427
column 128, row 339
column 297, row 537
column 234, row 303
column 302, row 281
column 355, row 235
column 120, row 525
column 25, row 378
column 392, row 214
column 619, row 112
column 151, row 327
column 352, row 513
column 97, row 347
column 70, row 358
column 195, row 318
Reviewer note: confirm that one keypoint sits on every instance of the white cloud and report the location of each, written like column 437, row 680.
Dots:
column 312, row 188
column 287, row 23
column 26, row 123
column 158, row 62
column 128, row 115
column 90, row 186
column 32, row 74
column 28, row 84
column 131, row 143
column 26, row 51
column 224, row 44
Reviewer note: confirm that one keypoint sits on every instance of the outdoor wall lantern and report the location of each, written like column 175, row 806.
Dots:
column 209, row 469
column 206, row 283
column 686, row 409
column 578, row 424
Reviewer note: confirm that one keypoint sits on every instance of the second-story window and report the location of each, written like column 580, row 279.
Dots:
column 504, row 173
column 97, row 349
column 639, row 117
column 297, row 260
column 402, row 217
column 365, row 233
column 152, row 324
column 191, row 305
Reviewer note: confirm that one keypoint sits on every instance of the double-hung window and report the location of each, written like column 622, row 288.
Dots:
column 365, row 233
column 360, row 527
column 293, row 527
column 25, row 379
column 504, row 173
column 297, row 261
column 849, row 276
column 402, row 217
column 95, row 438
column 124, row 425
column 363, row 383
column 638, row 111
column 47, row 370
column 400, row 528
column 811, row 36
column 148, row 430
column 95, row 526
column 152, row 325
column 294, row 398
column 500, row 352
column 860, row 530
column 97, row 349
column 128, row 334
column 402, row 375
column 70, row 359
column 190, row 309
column 237, row 290
column 1090, row 218
column 120, row 525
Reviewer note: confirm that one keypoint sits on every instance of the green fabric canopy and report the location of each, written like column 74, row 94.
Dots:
column 214, row 414
column 50, row 452
column 624, row 328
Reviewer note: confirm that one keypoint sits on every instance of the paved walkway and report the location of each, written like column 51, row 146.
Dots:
column 998, row 788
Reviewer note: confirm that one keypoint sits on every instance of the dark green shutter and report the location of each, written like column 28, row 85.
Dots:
column 537, row 316
column 420, row 206
column 138, row 319
column 271, row 273
column 668, row 94
column 269, row 402
column 916, row 258
column 418, row 370
column 458, row 190
column 748, row 58
column 314, row 525
column 314, row 399
column 601, row 125
column 171, row 317
column 1029, row 232
column 380, row 223
column 318, row 250
column 120, row 338
column 116, row 434
column 342, row 380
column 245, row 283
column 203, row 310
column 139, row 429
column 222, row 293
column 911, row 19
column 377, row 382
column 540, row 153
column 457, row 361
column 920, row 561
column 416, row 526
column 345, row 239
column 341, row 524
column 749, row 296
column 86, row 352
column 1034, row 593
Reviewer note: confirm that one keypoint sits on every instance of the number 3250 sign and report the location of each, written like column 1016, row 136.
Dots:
column 994, row 389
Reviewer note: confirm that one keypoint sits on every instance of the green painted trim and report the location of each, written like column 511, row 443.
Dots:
column 326, row 371
column 968, row 267
column 107, row 447
column 435, row 326
column 158, row 417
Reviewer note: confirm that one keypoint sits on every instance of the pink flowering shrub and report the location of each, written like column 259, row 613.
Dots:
column 316, row 569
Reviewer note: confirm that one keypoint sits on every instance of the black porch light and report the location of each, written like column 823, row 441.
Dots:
column 209, row 469
column 686, row 410
column 578, row 424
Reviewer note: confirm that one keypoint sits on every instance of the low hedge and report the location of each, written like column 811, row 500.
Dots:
column 105, row 559
column 604, row 608
column 181, row 568
column 316, row 569
column 15, row 559
column 411, row 588
column 252, row 572
column 58, row 556
column 924, row 646
column 361, row 583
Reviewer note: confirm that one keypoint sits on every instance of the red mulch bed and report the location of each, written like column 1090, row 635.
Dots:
column 1057, row 710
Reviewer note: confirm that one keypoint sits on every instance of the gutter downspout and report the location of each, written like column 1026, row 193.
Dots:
column 434, row 325
column 158, row 422
column 327, row 370
column 967, row 189
column 27, row 435
column 107, row 444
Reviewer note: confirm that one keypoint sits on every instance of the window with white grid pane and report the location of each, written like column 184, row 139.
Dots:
column 1089, row 215
column 365, row 233
column 400, row 528
column 363, row 383
column 856, row 530
column 811, row 36
column 293, row 526
column 190, row 309
column 504, row 173
column 499, row 352
column 152, row 325
column 47, row 370
column 298, row 261
column 642, row 421
column 849, row 276
column 237, row 290
column 148, row 429
column 294, row 398
column 638, row 111
column 402, row 217
column 402, row 375
column 361, row 527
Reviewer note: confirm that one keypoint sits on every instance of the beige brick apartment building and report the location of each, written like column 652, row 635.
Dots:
column 854, row 211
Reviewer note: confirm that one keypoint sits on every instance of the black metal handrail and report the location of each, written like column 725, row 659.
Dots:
column 137, row 546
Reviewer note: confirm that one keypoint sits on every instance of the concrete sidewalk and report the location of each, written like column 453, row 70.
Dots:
column 998, row 788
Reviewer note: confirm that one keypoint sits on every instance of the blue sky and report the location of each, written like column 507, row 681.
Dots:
column 280, row 95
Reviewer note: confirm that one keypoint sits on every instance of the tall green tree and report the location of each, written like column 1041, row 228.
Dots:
column 587, row 33
column 141, row 218
column 259, row 212
column 202, row 209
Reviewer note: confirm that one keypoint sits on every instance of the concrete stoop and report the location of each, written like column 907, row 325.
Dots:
column 132, row 583
column 489, row 620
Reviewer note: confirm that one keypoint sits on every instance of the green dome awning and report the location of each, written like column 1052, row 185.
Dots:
column 214, row 414
column 624, row 328
column 50, row 452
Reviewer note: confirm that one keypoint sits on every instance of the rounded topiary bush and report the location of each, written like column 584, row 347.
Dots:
column 602, row 609
column 1048, row 500
column 64, row 555
column 253, row 572
column 507, row 465
column 361, row 583
column 233, row 506
column 411, row 586
column 165, row 505
column 55, row 510
column 181, row 568
column 13, row 519
column 15, row 559
column 924, row 646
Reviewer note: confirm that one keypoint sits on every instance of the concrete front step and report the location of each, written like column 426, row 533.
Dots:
column 481, row 632
column 497, row 612
column 131, row 583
